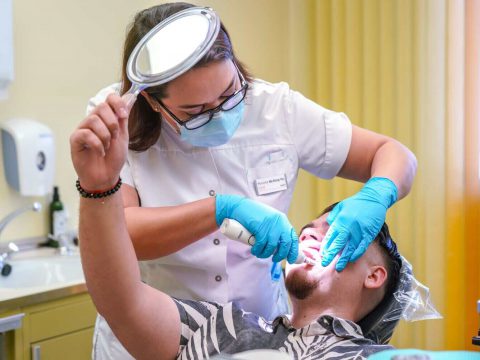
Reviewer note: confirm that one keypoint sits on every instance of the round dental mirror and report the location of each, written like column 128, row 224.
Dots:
column 171, row 48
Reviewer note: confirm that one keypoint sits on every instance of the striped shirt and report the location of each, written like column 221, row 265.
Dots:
column 208, row 329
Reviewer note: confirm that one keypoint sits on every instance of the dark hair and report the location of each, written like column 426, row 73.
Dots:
column 144, row 124
column 389, row 252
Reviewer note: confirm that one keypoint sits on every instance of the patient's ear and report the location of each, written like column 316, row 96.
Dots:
column 376, row 277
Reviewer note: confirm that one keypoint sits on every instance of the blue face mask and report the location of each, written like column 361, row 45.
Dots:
column 218, row 131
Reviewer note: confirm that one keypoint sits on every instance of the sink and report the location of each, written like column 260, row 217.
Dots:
column 43, row 271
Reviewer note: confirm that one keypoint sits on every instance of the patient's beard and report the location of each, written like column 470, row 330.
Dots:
column 299, row 286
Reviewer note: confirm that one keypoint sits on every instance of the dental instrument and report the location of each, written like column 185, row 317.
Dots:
column 236, row 231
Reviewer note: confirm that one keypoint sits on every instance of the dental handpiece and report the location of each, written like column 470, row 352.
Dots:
column 236, row 231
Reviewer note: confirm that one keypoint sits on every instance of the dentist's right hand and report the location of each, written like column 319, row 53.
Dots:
column 274, row 235
column 99, row 145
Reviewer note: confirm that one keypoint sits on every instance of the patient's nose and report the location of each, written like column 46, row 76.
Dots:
column 305, row 235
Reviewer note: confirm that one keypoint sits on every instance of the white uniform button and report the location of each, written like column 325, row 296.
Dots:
column 218, row 278
column 216, row 241
column 211, row 192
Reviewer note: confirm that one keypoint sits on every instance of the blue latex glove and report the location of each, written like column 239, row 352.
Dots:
column 274, row 235
column 357, row 220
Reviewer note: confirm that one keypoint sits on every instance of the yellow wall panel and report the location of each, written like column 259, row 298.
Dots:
column 433, row 153
column 455, row 334
column 371, row 58
column 472, row 168
column 353, row 75
column 302, row 75
column 387, row 85
column 419, row 88
column 323, row 45
column 396, row 67
column 404, row 128
column 323, row 83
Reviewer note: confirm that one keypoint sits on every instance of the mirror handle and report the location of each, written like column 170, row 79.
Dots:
column 131, row 95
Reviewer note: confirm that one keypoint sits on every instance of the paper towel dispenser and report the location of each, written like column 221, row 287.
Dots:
column 28, row 156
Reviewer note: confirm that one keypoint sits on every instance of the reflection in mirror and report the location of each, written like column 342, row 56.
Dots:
column 170, row 47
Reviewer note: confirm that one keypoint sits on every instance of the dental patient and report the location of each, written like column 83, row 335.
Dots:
column 327, row 305
column 150, row 324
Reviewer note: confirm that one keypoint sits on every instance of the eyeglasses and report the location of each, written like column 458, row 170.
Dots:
column 206, row 116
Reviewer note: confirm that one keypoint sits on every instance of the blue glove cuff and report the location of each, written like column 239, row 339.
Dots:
column 224, row 204
column 384, row 188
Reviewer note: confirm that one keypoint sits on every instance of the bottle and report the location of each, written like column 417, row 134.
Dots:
column 57, row 216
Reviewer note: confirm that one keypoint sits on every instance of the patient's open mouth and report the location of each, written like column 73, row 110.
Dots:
column 311, row 248
column 312, row 253
column 308, row 253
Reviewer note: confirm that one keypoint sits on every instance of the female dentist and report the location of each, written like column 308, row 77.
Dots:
column 216, row 130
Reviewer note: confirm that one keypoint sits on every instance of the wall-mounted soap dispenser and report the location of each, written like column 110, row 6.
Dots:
column 28, row 156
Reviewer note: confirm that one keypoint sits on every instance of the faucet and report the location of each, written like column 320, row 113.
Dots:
column 36, row 206
column 12, row 247
column 6, row 268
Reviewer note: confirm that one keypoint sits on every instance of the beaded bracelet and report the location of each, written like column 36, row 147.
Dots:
column 98, row 194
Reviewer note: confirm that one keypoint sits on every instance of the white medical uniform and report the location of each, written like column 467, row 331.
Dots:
column 281, row 131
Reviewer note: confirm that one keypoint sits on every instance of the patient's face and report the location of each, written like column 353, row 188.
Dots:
column 303, row 280
column 311, row 237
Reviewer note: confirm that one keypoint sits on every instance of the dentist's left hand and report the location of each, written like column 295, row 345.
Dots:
column 356, row 221
column 99, row 145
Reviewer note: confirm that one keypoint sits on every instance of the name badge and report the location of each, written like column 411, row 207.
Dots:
column 271, row 184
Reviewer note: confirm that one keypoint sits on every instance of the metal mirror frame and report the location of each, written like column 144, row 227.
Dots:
column 145, row 81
